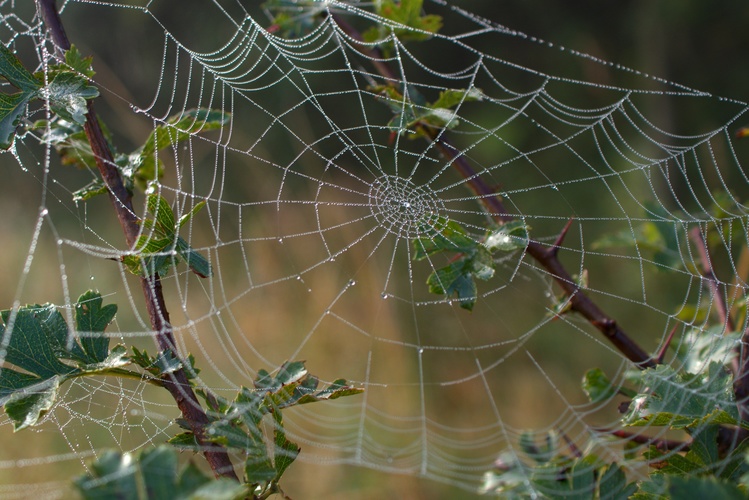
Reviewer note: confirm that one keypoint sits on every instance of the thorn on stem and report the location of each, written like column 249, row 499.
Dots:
column 554, row 250
column 662, row 352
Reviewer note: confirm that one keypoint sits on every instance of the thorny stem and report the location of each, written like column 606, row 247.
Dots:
column 740, row 363
column 661, row 444
column 177, row 382
column 544, row 255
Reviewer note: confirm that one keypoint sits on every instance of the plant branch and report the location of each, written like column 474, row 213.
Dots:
column 544, row 255
column 177, row 382
column 712, row 282
column 661, row 444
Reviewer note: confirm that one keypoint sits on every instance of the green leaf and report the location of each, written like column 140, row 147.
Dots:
column 78, row 63
column 164, row 216
column 450, row 98
column 597, row 386
column 239, row 424
column 408, row 14
column 159, row 248
column 455, row 278
column 681, row 400
column 442, row 236
column 508, row 237
column 701, row 347
column 285, row 452
column 185, row 441
column 612, row 484
column 153, row 473
column 38, row 342
column 12, row 108
column 702, row 487
column 94, row 188
column 654, row 488
column 67, row 94
column 13, row 70
column 658, row 237
column 91, row 319
column 180, row 127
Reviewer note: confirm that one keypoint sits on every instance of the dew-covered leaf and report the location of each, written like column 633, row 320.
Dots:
column 155, row 471
column 39, row 343
column 681, row 400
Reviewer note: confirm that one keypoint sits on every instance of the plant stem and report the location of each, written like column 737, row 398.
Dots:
column 544, row 255
column 177, row 382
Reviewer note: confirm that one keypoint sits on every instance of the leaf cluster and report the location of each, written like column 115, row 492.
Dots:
column 42, row 353
column 160, row 247
column 138, row 168
column 473, row 257
column 64, row 87
column 414, row 115
column 153, row 473
column 404, row 20
column 240, row 424
column 544, row 470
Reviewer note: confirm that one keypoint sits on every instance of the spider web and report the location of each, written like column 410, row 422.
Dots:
column 314, row 197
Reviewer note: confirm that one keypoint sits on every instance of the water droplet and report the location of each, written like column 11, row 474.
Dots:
column 44, row 212
column 351, row 282
column 59, row 242
column 384, row 295
column 555, row 188
column 280, row 240
column 299, row 278
column 91, row 278
column 421, row 351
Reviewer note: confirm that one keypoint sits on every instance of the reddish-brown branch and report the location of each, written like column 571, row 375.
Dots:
column 661, row 444
column 177, row 382
column 740, row 363
column 708, row 274
column 544, row 255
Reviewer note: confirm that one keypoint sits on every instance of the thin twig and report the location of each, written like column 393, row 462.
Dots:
column 177, row 382
column 544, row 255
column 712, row 282
column 661, row 444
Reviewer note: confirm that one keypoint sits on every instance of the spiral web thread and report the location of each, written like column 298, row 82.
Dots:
column 314, row 199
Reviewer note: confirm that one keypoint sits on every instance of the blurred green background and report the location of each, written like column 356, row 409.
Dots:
column 701, row 45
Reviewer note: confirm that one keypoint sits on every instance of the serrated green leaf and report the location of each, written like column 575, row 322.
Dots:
column 94, row 188
column 442, row 236
column 194, row 259
column 67, row 94
column 285, row 452
column 597, row 386
column 13, row 70
column 185, row 441
column 91, row 319
column 155, row 472
column 39, row 344
column 654, row 488
column 702, row 487
column 290, row 372
column 510, row 236
column 163, row 215
column 26, row 408
column 612, row 484
column 681, row 400
column 12, row 108
column 78, row 63
column 182, row 126
column 408, row 14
